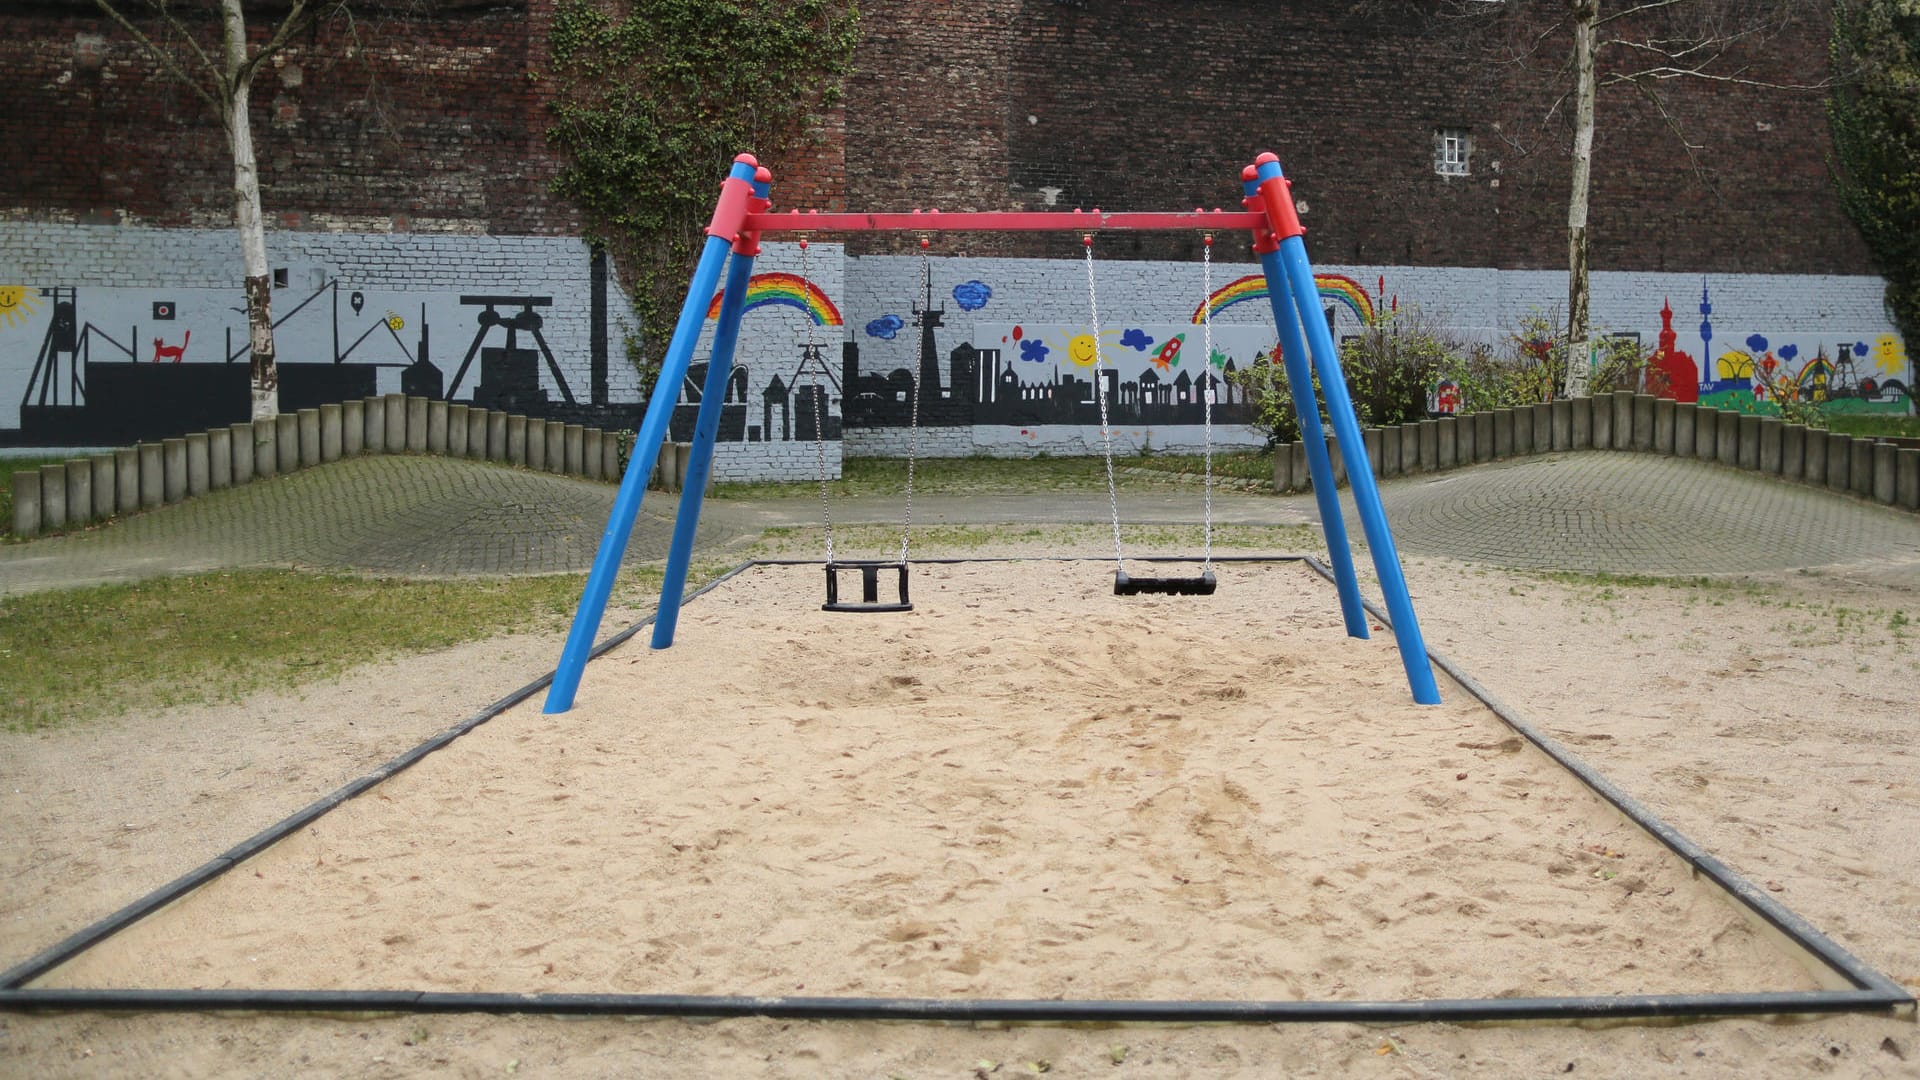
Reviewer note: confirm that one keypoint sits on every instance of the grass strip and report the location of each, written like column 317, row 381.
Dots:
column 980, row 475
column 1871, row 425
column 80, row 654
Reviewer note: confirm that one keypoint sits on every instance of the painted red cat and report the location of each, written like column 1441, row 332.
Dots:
column 161, row 350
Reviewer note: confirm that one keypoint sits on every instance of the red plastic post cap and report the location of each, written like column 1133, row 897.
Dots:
column 1266, row 157
column 1251, row 172
column 747, row 159
column 763, row 175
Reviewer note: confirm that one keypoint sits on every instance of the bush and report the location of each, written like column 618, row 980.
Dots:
column 1390, row 367
column 1394, row 365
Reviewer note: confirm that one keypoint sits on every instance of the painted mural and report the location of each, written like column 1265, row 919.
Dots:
column 85, row 366
column 775, row 392
column 1750, row 370
column 1030, row 376
column 1336, row 291
column 1009, row 358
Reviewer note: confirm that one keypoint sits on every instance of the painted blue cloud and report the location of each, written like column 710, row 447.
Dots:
column 972, row 295
column 1757, row 343
column 1136, row 339
column 1859, row 348
column 885, row 327
column 1033, row 351
column 1788, row 352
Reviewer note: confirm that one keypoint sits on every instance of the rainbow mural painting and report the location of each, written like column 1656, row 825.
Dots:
column 789, row 290
column 1336, row 287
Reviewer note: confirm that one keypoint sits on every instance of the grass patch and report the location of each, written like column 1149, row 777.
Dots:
column 1254, row 465
column 1872, row 425
column 1604, row 580
column 869, row 476
column 9, row 466
column 1080, row 539
column 78, row 654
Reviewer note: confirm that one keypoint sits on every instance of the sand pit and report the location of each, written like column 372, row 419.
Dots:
column 1027, row 788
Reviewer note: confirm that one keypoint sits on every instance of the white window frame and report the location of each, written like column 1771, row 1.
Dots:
column 1452, row 151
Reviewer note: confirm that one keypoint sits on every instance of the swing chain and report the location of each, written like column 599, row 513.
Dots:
column 1206, row 389
column 820, row 391
column 1100, row 395
column 913, row 422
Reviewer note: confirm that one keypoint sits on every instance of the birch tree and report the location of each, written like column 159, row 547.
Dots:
column 1658, row 41
column 1642, row 46
column 204, row 45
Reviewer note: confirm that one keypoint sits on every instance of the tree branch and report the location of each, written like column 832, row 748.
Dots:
column 1652, row 5
column 1663, row 73
column 1673, row 124
column 165, row 58
column 296, row 20
column 185, row 35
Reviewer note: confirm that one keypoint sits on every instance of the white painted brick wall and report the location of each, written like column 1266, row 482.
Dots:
column 1475, row 303
column 107, row 256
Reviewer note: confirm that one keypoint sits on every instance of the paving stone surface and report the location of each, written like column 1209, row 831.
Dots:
column 1640, row 513
column 432, row 516
column 415, row 516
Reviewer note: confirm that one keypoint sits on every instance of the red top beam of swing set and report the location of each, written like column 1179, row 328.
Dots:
column 1003, row 221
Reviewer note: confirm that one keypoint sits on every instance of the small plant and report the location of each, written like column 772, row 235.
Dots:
column 1619, row 363
column 1390, row 366
column 1267, row 387
column 1536, row 358
column 1393, row 363
column 1772, row 381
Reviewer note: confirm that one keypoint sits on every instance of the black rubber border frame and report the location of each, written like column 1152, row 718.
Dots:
column 1859, row 988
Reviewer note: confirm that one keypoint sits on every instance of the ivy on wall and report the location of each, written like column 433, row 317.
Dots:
column 1875, row 116
column 654, row 98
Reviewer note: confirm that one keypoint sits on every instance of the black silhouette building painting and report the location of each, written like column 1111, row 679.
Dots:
column 1144, row 386
column 110, row 365
column 797, row 406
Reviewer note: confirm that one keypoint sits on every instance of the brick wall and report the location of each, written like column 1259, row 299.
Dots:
column 428, row 119
column 434, row 122
column 437, row 120
column 1137, row 104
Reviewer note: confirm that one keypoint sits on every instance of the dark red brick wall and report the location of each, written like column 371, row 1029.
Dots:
column 438, row 121
column 1138, row 104
column 927, row 112
column 430, row 118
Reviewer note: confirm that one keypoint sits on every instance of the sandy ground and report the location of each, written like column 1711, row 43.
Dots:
column 1026, row 788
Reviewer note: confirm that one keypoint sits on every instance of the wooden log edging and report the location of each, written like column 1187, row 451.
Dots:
column 1873, row 469
column 80, row 491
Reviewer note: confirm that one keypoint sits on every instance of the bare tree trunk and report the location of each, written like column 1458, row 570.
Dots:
column 1585, row 14
column 246, row 215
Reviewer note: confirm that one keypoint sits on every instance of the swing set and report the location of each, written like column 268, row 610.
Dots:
column 742, row 215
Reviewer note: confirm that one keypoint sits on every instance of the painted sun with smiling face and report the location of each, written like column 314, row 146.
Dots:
column 1083, row 350
column 16, row 305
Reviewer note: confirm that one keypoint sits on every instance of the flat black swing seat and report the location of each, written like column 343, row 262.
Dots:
column 869, row 587
column 1125, row 584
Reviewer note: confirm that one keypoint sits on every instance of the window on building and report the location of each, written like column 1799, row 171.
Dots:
column 1451, row 147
